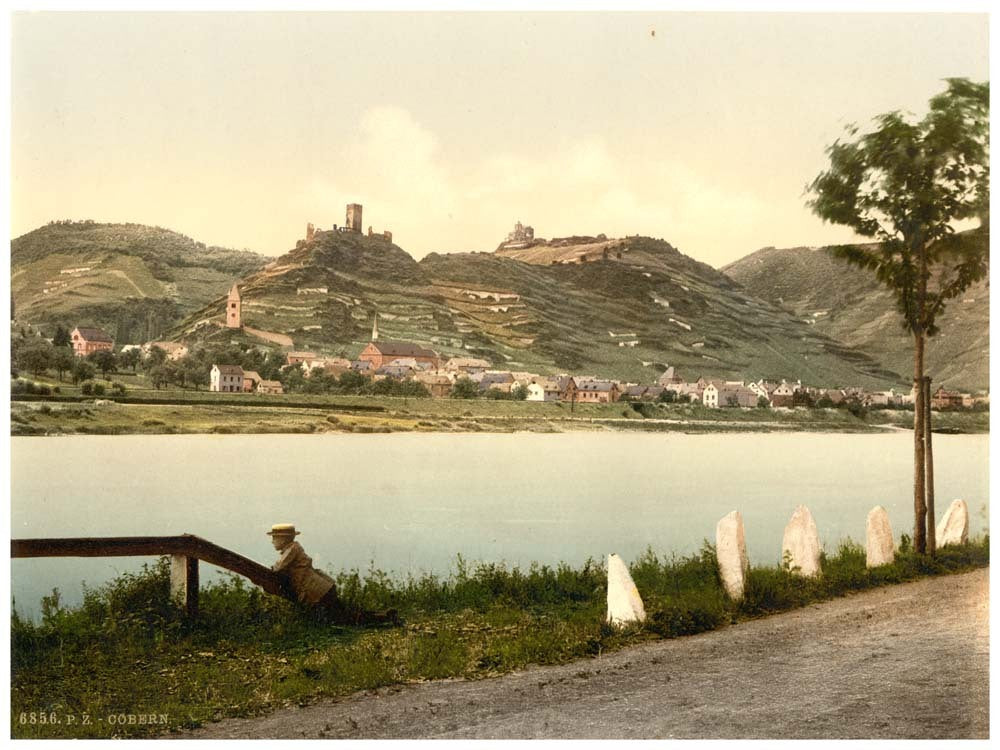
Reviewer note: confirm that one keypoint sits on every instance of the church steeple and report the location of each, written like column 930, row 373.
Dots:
column 234, row 307
column 375, row 328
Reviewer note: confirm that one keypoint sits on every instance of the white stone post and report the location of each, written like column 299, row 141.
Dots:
column 624, row 602
column 954, row 526
column 879, row 548
column 800, row 544
column 731, row 553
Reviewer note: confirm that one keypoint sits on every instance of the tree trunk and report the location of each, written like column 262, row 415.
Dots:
column 919, row 476
column 929, row 470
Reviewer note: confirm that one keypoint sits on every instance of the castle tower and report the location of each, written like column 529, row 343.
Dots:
column 375, row 328
column 310, row 232
column 234, row 308
column 354, row 217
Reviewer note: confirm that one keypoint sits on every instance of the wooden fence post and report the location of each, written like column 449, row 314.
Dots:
column 184, row 583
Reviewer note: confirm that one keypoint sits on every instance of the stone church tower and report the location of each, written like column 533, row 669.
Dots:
column 234, row 308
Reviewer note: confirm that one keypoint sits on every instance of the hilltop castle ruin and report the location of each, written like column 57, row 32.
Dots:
column 352, row 224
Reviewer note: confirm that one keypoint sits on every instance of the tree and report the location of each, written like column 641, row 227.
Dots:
column 906, row 184
column 159, row 376
column 154, row 359
column 519, row 392
column 36, row 357
column 105, row 361
column 192, row 372
column 465, row 388
column 129, row 359
column 351, row 381
column 82, row 370
column 61, row 337
column 293, row 378
column 62, row 360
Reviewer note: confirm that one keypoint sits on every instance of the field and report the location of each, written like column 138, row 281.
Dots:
column 145, row 410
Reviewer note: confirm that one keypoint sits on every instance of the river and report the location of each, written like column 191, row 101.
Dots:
column 409, row 503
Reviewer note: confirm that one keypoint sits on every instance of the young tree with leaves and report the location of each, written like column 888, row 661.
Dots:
column 62, row 360
column 105, row 361
column 465, row 388
column 82, row 370
column 907, row 184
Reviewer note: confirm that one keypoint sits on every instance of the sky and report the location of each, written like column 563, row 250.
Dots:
column 237, row 129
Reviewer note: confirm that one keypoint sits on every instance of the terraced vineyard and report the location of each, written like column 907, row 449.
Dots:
column 848, row 305
column 133, row 280
column 625, row 317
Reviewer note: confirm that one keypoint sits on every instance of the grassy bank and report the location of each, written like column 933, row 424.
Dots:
column 125, row 651
column 176, row 411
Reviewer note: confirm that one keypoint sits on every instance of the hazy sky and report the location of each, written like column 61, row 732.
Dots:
column 237, row 129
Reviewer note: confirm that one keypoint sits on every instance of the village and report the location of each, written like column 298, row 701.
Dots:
column 430, row 374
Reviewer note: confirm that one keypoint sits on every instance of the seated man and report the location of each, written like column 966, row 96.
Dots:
column 314, row 587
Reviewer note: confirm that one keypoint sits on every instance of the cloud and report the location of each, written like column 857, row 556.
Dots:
column 401, row 172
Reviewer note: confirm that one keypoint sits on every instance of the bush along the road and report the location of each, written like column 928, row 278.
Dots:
column 126, row 663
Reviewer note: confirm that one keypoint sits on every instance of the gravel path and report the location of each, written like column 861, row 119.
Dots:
column 907, row 661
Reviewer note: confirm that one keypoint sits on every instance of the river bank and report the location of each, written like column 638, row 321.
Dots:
column 125, row 651
column 204, row 413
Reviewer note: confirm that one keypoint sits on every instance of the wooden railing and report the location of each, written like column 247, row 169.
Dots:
column 185, row 551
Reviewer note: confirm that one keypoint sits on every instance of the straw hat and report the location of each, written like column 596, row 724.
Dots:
column 283, row 529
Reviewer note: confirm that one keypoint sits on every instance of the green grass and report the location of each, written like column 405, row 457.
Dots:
column 173, row 410
column 126, row 649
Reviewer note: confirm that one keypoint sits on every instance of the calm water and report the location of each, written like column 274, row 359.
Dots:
column 410, row 503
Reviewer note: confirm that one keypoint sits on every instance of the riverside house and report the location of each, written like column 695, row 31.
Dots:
column 297, row 358
column 89, row 340
column 500, row 381
column 547, row 389
column 438, row 384
column 943, row 399
column 251, row 380
column 270, row 388
column 467, row 365
column 597, row 392
column 226, row 379
column 783, row 395
column 381, row 353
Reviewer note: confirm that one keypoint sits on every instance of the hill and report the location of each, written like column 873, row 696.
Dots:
column 133, row 280
column 848, row 305
column 625, row 314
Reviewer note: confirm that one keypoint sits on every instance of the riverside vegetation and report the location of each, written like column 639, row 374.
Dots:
column 127, row 649
column 47, row 407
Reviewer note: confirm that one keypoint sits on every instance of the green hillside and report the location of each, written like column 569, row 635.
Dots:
column 624, row 317
column 133, row 280
column 848, row 304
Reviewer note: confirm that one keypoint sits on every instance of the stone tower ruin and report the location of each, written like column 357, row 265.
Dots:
column 353, row 223
column 234, row 308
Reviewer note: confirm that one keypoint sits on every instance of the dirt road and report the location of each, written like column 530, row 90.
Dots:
column 908, row 661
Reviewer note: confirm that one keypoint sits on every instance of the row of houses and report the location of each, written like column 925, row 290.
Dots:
column 405, row 360
column 234, row 379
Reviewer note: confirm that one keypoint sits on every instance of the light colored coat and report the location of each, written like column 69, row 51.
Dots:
column 310, row 585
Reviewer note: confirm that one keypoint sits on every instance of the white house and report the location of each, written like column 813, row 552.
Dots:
column 760, row 390
column 710, row 396
column 226, row 379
